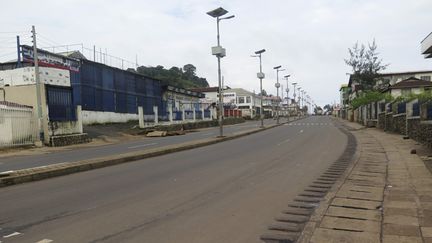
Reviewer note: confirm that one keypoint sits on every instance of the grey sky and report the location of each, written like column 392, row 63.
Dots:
column 308, row 38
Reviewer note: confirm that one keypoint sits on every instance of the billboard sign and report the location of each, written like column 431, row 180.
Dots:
column 48, row 59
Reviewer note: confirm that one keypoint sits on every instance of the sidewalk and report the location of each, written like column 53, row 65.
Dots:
column 386, row 195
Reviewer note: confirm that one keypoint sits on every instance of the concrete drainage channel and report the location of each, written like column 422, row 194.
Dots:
column 290, row 223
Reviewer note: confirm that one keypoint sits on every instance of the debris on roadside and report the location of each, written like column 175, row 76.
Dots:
column 156, row 134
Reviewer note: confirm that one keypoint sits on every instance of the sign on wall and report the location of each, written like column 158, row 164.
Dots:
column 50, row 59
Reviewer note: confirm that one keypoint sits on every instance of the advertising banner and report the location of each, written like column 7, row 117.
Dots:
column 48, row 59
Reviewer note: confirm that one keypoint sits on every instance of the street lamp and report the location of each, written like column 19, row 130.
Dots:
column 261, row 76
column 219, row 52
column 277, row 85
column 287, row 93
column 294, row 92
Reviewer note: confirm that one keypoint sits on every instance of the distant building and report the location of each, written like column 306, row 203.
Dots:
column 179, row 98
column 409, row 86
column 395, row 77
column 426, row 46
column 248, row 102
column 344, row 100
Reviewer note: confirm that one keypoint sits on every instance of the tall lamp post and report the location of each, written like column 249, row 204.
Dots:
column 261, row 76
column 300, row 99
column 277, row 85
column 294, row 93
column 287, row 94
column 219, row 52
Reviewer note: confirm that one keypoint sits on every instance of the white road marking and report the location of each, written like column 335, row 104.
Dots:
column 284, row 141
column 142, row 145
column 45, row 241
column 301, row 131
column 12, row 235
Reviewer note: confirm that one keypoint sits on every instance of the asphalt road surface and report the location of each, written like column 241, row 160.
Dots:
column 227, row 192
column 141, row 143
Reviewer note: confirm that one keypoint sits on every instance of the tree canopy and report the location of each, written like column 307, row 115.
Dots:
column 180, row 77
column 365, row 63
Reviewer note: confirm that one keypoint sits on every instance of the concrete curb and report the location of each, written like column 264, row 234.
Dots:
column 45, row 172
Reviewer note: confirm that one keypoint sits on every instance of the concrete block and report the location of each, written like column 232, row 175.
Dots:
column 402, row 239
column 354, row 213
column 401, row 230
column 356, row 203
column 351, row 224
column 401, row 219
column 426, row 231
column 329, row 235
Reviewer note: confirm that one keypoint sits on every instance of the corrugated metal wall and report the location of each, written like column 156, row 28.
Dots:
column 101, row 88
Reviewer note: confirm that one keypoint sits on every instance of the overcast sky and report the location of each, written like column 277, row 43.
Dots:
column 308, row 38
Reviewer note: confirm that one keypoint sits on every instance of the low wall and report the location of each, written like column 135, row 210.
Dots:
column 64, row 140
column 421, row 131
column 399, row 123
column 101, row 117
column 194, row 125
column 56, row 128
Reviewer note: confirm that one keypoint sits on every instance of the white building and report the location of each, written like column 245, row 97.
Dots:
column 426, row 46
column 248, row 102
column 408, row 86
column 396, row 77
column 26, row 76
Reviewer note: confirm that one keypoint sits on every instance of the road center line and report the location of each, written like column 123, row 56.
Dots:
column 45, row 241
column 142, row 145
column 284, row 141
column 12, row 235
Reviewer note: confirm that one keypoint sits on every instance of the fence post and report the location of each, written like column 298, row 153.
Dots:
column 202, row 114
column 183, row 114
column 156, row 115
column 211, row 113
column 194, row 113
column 141, row 116
column 79, row 119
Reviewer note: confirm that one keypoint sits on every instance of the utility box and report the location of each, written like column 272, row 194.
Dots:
column 218, row 51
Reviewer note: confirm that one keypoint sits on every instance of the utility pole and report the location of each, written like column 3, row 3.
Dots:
column 38, row 86
column 18, row 51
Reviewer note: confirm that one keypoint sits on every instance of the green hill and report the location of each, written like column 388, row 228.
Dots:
column 180, row 77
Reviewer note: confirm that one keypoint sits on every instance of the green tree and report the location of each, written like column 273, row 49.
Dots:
column 175, row 76
column 365, row 64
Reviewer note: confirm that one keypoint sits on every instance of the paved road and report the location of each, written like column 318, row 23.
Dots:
column 143, row 143
column 226, row 192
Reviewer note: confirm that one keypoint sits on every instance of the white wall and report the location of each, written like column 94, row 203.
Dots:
column 26, row 76
column 101, row 117
column 17, row 126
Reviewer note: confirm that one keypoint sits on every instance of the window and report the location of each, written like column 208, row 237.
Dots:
column 426, row 78
column 241, row 100
column 248, row 99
